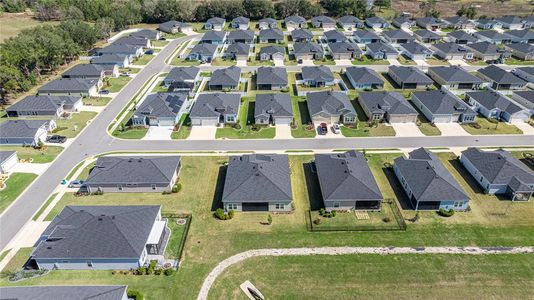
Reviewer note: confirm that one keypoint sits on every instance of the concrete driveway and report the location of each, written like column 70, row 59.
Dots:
column 420, row 62
column 458, row 62
column 343, row 62
column 406, row 129
column 278, row 62
column 159, row 133
column 451, row 129
column 283, row 132
column 526, row 128
column 202, row 133
column 29, row 168
column 307, row 62
column 394, row 62
column 241, row 63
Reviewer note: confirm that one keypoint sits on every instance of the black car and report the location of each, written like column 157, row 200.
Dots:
column 59, row 139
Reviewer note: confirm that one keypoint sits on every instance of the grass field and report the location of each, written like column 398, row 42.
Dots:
column 72, row 126
column 40, row 156
column 131, row 133
column 15, row 185
column 18, row 260
column 185, row 129
column 364, row 60
column 96, row 101
column 143, row 60
column 13, row 24
column 487, row 127
column 114, row 85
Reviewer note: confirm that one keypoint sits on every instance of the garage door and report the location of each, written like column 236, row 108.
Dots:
column 208, row 122
column 283, row 121
column 442, row 119
column 256, row 206
column 166, row 123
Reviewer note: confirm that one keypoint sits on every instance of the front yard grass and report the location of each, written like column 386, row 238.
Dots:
column 219, row 61
column 72, row 126
column 433, row 61
column 424, row 125
column 143, row 60
column 40, row 156
column 114, row 85
column 134, row 133
column 15, row 264
column 365, row 60
column 514, row 61
column 302, row 127
column 15, row 185
column 476, row 62
column 363, row 127
column 185, row 129
column 96, row 101
column 246, row 121
column 490, row 127
column 404, row 60
column 159, row 43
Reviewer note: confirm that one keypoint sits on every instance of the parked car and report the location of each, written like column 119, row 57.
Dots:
column 336, row 129
column 162, row 39
column 104, row 92
column 125, row 74
column 323, row 129
column 149, row 51
column 76, row 183
column 58, row 139
column 64, row 181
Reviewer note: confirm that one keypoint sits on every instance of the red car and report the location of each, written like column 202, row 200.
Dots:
column 323, row 129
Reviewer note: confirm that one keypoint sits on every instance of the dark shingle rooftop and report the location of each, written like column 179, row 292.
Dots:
column 162, row 105
column 68, row 85
column 301, row 34
column 277, row 105
column 181, row 74
column 397, row 34
column 272, row 34
column 87, row 70
column 216, row 20
column 365, row 34
column 348, row 20
column 323, row 19
column 21, row 128
column 441, row 103
column 226, row 76
column 307, row 48
column 381, row 47
column 272, row 50
column 213, row 35
column 491, row 100
column 317, row 73
column 43, row 103
column 364, row 75
column 450, row 48
column 455, row 74
column 462, row 35
column 415, row 48
column 215, row 104
column 238, row 48
column 271, row 75
column 204, row 49
column 391, row 102
column 521, row 47
column 335, row 35
column 71, row 292
column 410, row 75
column 329, row 103
column 344, row 47
column 500, row 76
column 241, row 35
column 427, row 34
column 295, row 19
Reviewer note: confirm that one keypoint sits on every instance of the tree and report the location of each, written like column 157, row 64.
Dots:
column 258, row 9
column 461, row 11
column 383, row 4
column 428, row 7
column 471, row 12
column 74, row 13
column 104, row 27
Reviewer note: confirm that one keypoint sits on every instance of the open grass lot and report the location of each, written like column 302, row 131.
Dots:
column 159, row 43
column 130, row 70
column 382, row 277
column 246, row 121
column 44, row 155
column 72, row 126
column 96, row 101
column 488, row 127
column 13, row 24
column 15, row 185
column 143, row 60
column 114, row 85
column 365, row 60
column 183, row 62
column 433, row 61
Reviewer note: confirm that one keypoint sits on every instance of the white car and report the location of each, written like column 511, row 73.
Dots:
column 336, row 129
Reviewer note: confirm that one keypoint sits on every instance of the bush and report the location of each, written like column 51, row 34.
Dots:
column 151, row 267
column 219, row 214
column 158, row 271
column 231, row 214
column 269, row 219
column 168, row 272
column 141, row 271
column 446, row 213
column 386, row 219
column 177, row 187
column 285, row 89
column 317, row 221
column 327, row 214
column 321, row 211
column 237, row 126
column 475, row 125
column 135, row 295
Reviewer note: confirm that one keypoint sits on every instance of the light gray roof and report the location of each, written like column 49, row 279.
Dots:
column 403, row 19
column 170, row 24
column 500, row 167
column 238, row 48
column 521, row 47
column 68, row 85
column 241, row 35
column 271, row 75
column 71, row 292
column 491, row 100
column 272, row 50
column 415, row 48
column 457, row 20
column 108, row 58
column 21, row 128
column 334, row 35
column 181, row 74
column 450, row 48
column 323, row 19
column 301, row 34
column 375, row 20
column 492, row 34
column 455, row 74
column 428, row 179
column 4, row 155
column 381, row 47
column 397, row 34
column 523, row 34
column 381, row 102
column 462, row 35
column 43, row 103
column 527, row 95
column 500, row 76
column 161, row 105
column 226, row 76
column 133, row 170
column 146, row 33
column 241, row 20
column 441, row 103
column 487, row 21
column 119, row 48
column 272, row 34
column 307, row 48
column 87, row 70
column 204, row 49
column 329, row 103
column 277, row 105
column 364, row 75
column 215, row 104
column 269, row 21
column 317, row 73
column 528, row 70
column 410, row 75
column 426, row 21
column 213, row 35
column 349, row 20
column 346, row 176
column 344, row 47
column 257, row 178
column 365, row 34
column 295, row 20
column 510, row 19
column 132, row 40
column 427, row 34
column 216, row 20
column 86, row 232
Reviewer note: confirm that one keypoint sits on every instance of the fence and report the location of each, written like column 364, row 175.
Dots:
column 188, row 218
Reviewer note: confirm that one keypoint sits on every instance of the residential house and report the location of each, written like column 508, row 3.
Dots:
column 409, row 77
column 522, row 51
column 238, row 51
column 397, row 36
column 427, row 183
column 498, row 172
column 415, row 51
column 334, row 36
column 88, row 71
column 215, row 23
column 147, row 34
column 426, row 36
column 451, row 51
column 525, row 73
column 213, row 37
column 294, row 22
column 301, row 35
column 70, row 87
column 365, row 37
column 317, row 76
column 387, row 106
column 349, row 22
column 443, row 107
column 241, row 23
column 487, row 24
column 344, row 50
column 513, row 22
column 267, row 23
column 182, row 78
column 455, row 78
column 203, row 52
column 174, row 27
column 521, row 36
column 330, row 107
column 227, row 78
column 25, row 132
column 487, row 51
column 271, row 78
column 403, row 22
column 134, row 41
column 493, row 105
column 38, row 106
column 215, row 109
column 376, row 23
column 53, row 292
column 324, row 22
column 501, row 79
column 246, row 173
column 160, row 109
column 525, row 98
column 493, row 37
column 8, row 159
column 459, row 22
column 272, row 53
column 274, row 109
column 346, row 182
column 131, row 51
column 461, row 37
column 109, row 61
column 304, row 50
column 430, row 23
column 381, row 51
column 129, row 174
column 102, row 238
column 364, row 78
column 271, row 35
column 241, row 36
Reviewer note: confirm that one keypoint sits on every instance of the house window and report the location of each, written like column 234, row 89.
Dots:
column 349, row 119
column 119, row 187
column 377, row 117
column 89, row 264
column 230, row 119
column 336, row 204
column 153, row 187
column 279, row 206
column 458, row 204
column 232, row 206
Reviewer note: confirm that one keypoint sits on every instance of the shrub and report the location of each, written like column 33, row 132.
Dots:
column 231, row 214
column 177, row 187
column 158, row 271
column 285, row 89
column 446, row 213
column 334, row 213
column 135, row 295
column 166, row 192
column 317, row 221
column 141, row 271
column 219, row 214
column 237, row 126
column 386, row 219
column 475, row 125
column 269, row 219
column 168, row 272
column 321, row 211
column 151, row 267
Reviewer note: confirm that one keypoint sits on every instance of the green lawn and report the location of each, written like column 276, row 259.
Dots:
column 143, row 60
column 130, row 70
column 15, row 185
column 488, row 127
column 365, row 60
column 160, row 88
column 96, row 101
column 403, row 60
column 13, row 24
column 246, row 120
column 184, row 62
column 433, row 61
column 302, row 127
column 424, row 125
column 185, row 129
column 363, row 128
column 325, row 62
column 174, row 35
column 72, row 126
column 116, row 84
column 514, row 61
column 44, row 155
column 15, row 264
column 45, row 205
column 159, row 43
column 223, row 62
column 476, row 62
column 131, row 133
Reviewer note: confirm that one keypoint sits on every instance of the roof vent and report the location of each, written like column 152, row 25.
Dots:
column 100, row 219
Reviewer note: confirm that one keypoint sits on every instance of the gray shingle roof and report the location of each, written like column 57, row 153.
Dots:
column 108, row 58
column 450, row 48
column 485, row 48
column 510, row 19
column 301, row 34
column 241, row 20
column 5, row 155
column 346, row 176
column 318, row 73
column 402, row 20
column 216, row 20
column 146, row 33
column 68, row 85
column 364, row 75
column 226, row 76
column 119, row 48
column 277, row 105
column 375, row 20
column 269, row 21
column 457, row 20
column 428, row 21
column 272, row 50
column 462, row 35
column 415, row 48
column 500, row 76
column 323, row 19
column 257, row 178
column 381, row 47
column 492, row 34
column 295, row 20
column 491, row 100
column 528, row 70
column 455, row 74
column 348, row 20
column 161, row 105
column 410, row 75
column 204, row 49
column 213, row 35
column 307, row 48
column 238, row 48
column 441, row 103
column 239, row 34
column 271, row 75
column 329, row 103
column 428, row 179
column 523, row 34
column 427, row 34
column 383, row 101
column 344, row 47
column 215, row 104
column 365, row 34
column 85, row 232
column 71, row 292
column 132, row 40
column 397, row 34
column 181, row 74
column 272, row 34
column 527, row 95
column 521, row 47
column 335, row 35
column 87, row 70
column 21, row 128
column 43, row 103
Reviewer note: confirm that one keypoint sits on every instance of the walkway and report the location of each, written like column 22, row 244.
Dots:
column 232, row 260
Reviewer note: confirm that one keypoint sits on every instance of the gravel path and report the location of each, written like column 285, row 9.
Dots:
column 219, row 269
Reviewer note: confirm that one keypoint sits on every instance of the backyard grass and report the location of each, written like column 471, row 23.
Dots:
column 72, row 126
column 301, row 127
column 365, row 60
column 15, row 185
column 489, row 127
column 96, row 101
column 143, row 60
column 114, row 85
column 246, row 120
column 177, row 232
column 13, row 24
column 40, row 156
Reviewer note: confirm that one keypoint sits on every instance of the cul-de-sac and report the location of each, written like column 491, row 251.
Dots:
column 256, row 149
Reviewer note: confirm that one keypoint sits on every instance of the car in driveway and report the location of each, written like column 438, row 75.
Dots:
column 149, row 51
column 323, row 129
column 104, row 92
column 76, row 183
column 125, row 74
column 336, row 129
column 57, row 139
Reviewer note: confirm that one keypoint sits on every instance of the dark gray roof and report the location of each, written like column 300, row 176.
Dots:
column 527, row 95
column 528, row 70
column 375, row 20
column 441, row 103
column 226, row 76
column 462, row 35
column 346, row 176
column 403, row 19
column 85, row 232
column 271, row 75
column 301, row 34
column 428, row 179
column 272, row 50
column 499, row 167
column 241, row 20
column 21, row 128
column 426, row 21
column 510, row 19
column 415, row 48
column 119, row 48
column 397, row 34
column 277, row 105
column 216, row 20
column 238, row 48
column 410, row 75
column 132, row 40
column 241, row 35
column 161, row 105
column 215, row 104
column 71, row 292
column 173, row 24
column 335, row 35
column 108, row 58
column 269, row 21
column 366, row 34
column 68, row 85
column 427, row 34
column 491, row 100
column 455, row 74
column 500, row 76
column 318, row 73
column 349, row 20
column 295, row 19
column 364, row 75
column 272, row 34
column 329, row 103
column 146, row 33
column 523, row 34
column 381, row 47
column 133, row 170
column 213, row 35
column 487, row 21
column 257, row 178
column 450, row 48
column 323, row 19
column 492, row 34
column 344, row 47
column 204, row 49
column 181, row 74
column 43, row 103
column 307, row 47
column 5, row 155
column 457, row 20
column 521, row 47
column 87, row 70
column 381, row 102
